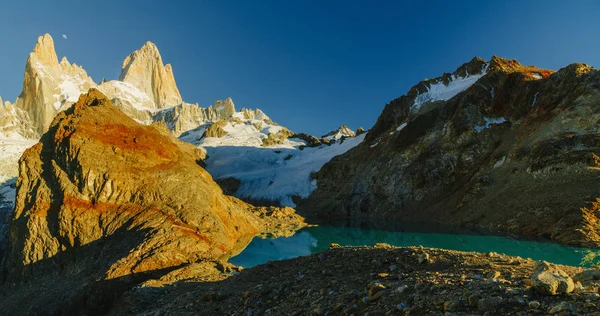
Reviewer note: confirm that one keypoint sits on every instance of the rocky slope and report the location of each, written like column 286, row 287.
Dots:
column 104, row 203
column 380, row 280
column 495, row 145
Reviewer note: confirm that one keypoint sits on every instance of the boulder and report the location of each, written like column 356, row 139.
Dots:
column 549, row 279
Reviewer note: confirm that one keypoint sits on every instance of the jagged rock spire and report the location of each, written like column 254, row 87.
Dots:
column 145, row 70
column 44, row 52
column 225, row 108
column 49, row 86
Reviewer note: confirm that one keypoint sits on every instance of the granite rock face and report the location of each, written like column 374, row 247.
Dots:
column 50, row 86
column 495, row 145
column 144, row 69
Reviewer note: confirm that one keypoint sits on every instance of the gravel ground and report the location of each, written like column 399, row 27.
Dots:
column 379, row 280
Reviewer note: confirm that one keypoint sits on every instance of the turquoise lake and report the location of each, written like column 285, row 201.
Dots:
column 315, row 239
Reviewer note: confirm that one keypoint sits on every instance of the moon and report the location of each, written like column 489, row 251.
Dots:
column 64, row 36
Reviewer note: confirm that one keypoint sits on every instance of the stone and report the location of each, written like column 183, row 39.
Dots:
column 401, row 289
column 488, row 304
column 548, row 279
column 494, row 275
column 423, row 258
column 375, row 287
column 562, row 307
column 534, row 304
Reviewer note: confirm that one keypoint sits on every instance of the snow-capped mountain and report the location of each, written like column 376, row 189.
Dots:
column 245, row 145
column 342, row 131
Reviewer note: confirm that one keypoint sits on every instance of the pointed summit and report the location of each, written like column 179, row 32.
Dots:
column 144, row 69
column 50, row 86
column 342, row 131
column 44, row 52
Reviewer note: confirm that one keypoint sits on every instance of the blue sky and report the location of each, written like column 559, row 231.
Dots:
column 310, row 65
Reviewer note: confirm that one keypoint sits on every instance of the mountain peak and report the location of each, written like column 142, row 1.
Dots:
column 342, row 131
column 225, row 108
column 44, row 51
column 145, row 70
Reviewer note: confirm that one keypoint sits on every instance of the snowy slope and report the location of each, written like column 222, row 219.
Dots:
column 442, row 92
column 10, row 152
column 275, row 173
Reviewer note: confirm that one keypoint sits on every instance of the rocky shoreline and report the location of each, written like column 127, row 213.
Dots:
column 379, row 280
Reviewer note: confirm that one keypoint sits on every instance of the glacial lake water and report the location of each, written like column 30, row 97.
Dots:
column 318, row 238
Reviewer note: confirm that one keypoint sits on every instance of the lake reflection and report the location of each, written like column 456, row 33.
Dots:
column 314, row 239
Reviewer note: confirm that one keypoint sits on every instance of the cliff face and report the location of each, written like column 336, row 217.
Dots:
column 497, row 145
column 144, row 69
column 101, row 197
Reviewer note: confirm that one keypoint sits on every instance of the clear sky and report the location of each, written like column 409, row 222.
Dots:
column 310, row 65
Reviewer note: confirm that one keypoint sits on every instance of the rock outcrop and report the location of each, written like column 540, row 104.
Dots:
column 224, row 108
column 185, row 117
column 50, row 86
column 15, row 123
column 496, row 145
column 104, row 203
column 145, row 70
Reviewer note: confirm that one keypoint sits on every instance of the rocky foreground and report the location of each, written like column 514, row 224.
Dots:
column 380, row 280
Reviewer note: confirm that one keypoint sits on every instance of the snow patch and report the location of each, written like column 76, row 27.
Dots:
column 10, row 151
column 534, row 98
column 401, row 127
column 489, row 121
column 441, row 92
column 129, row 93
column 537, row 76
column 373, row 146
column 500, row 162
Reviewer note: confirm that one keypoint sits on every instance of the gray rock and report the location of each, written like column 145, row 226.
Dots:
column 423, row 258
column 534, row 304
column 548, row 279
column 562, row 307
column 489, row 304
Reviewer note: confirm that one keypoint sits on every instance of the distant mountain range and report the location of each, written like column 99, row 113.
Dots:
column 147, row 92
